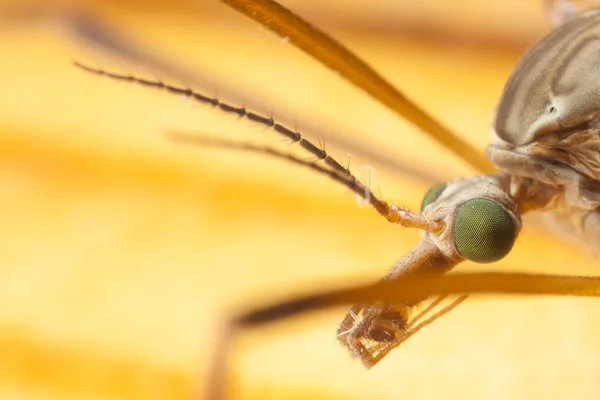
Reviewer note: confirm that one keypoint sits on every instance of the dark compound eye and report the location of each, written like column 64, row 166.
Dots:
column 484, row 231
column 433, row 194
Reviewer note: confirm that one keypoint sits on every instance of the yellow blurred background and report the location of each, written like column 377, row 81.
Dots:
column 122, row 253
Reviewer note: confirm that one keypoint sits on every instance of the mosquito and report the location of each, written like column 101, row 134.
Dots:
column 543, row 159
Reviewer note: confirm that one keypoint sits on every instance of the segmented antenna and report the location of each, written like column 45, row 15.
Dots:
column 346, row 178
column 392, row 212
column 336, row 171
column 241, row 112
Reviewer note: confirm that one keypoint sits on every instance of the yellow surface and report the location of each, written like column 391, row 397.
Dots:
column 121, row 253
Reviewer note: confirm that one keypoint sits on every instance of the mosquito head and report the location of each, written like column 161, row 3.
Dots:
column 481, row 220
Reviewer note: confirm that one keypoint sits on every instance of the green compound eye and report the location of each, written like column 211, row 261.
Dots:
column 433, row 194
column 484, row 232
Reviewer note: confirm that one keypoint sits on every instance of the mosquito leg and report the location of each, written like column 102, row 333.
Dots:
column 430, row 319
column 219, row 370
column 397, row 291
column 400, row 290
column 429, row 307
column 271, row 15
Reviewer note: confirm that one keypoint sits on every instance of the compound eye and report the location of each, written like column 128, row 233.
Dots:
column 484, row 231
column 433, row 194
